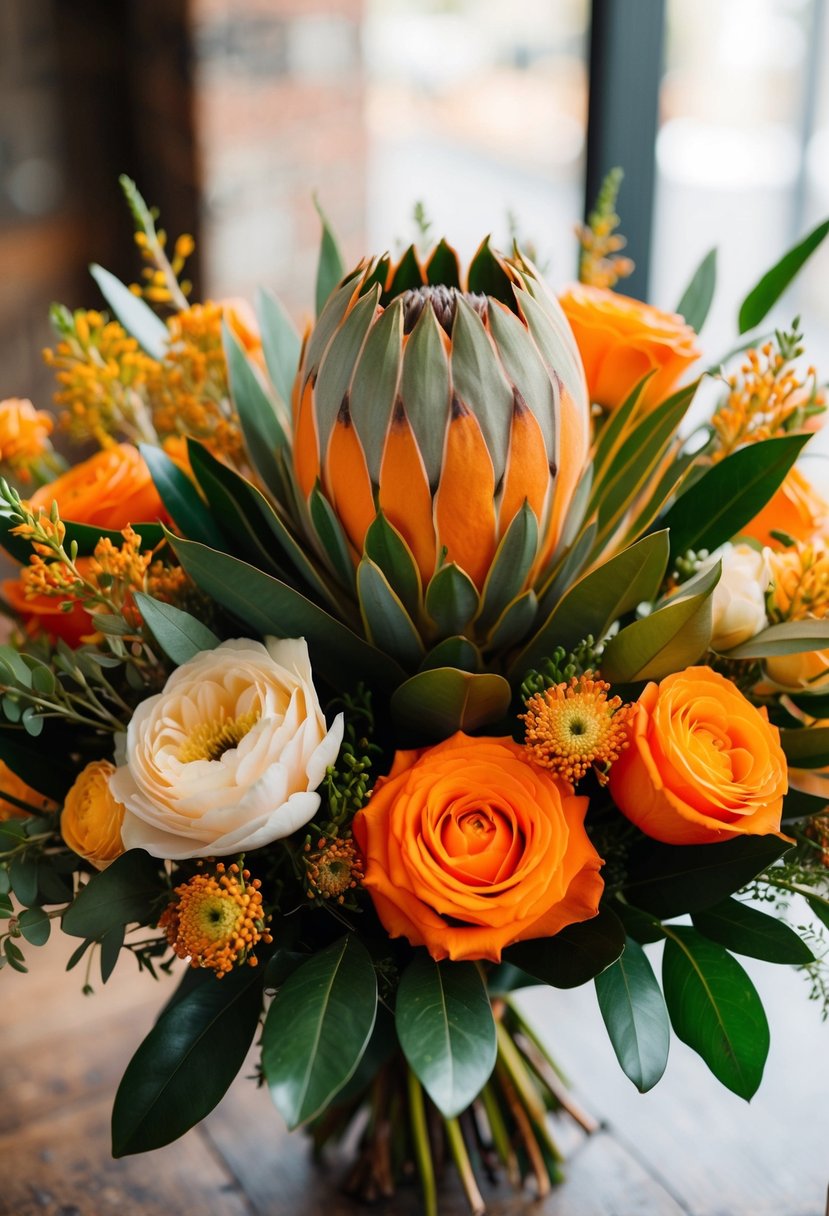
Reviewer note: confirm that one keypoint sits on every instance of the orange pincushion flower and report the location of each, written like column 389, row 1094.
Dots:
column 217, row 919
column 111, row 489
column 470, row 847
column 574, row 726
column 24, row 434
column 621, row 339
column 703, row 764
column 91, row 819
column 12, row 785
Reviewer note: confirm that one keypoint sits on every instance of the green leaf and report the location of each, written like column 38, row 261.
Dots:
column 697, row 297
column 730, row 493
column 819, row 906
column 280, row 343
column 331, row 537
column 25, row 759
column 268, row 606
column 446, row 1029
column 111, row 944
column 23, row 873
column 126, row 892
column 634, row 1013
column 715, row 1009
column 761, row 299
column 137, row 318
column 747, row 930
column 265, row 432
column 442, row 268
column 85, row 536
column 451, row 599
column 35, row 926
column 387, row 624
column 453, row 652
column 790, row 637
column 668, row 879
column 799, row 805
column 434, row 704
column 576, row 954
column 179, row 634
column 511, row 565
column 181, row 498
column 614, row 429
column 14, row 956
column 187, row 1062
column 407, row 275
column 600, row 598
column 514, row 623
column 807, row 747
column 388, row 550
column 331, row 267
column 671, row 638
column 317, row 1028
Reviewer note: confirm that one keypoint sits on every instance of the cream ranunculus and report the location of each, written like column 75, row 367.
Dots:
column 738, row 606
column 228, row 756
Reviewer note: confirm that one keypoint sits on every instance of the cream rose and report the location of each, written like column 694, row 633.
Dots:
column 228, row 756
column 738, row 606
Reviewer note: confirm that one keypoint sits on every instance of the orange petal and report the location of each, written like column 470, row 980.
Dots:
column 527, row 474
column 573, row 450
column 404, row 492
column 306, row 443
column 464, row 503
column 347, row 482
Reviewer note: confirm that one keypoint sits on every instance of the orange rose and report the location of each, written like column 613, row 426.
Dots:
column 91, row 819
column 704, row 764
column 470, row 847
column 111, row 489
column 620, row 340
column 796, row 509
column 42, row 613
column 11, row 784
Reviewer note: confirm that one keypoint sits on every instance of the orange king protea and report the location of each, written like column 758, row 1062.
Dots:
column 457, row 412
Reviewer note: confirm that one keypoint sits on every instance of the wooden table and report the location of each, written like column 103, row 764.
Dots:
column 687, row 1149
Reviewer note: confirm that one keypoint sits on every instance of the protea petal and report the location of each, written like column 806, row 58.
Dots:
column 574, row 448
column 306, row 441
column 346, row 480
column 527, row 475
column 405, row 496
column 465, row 501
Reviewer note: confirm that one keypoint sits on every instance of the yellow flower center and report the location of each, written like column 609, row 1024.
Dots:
column 215, row 920
column 210, row 740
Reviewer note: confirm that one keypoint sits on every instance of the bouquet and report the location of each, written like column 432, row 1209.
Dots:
column 381, row 672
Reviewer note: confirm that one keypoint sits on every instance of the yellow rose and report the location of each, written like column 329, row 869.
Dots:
column 91, row 819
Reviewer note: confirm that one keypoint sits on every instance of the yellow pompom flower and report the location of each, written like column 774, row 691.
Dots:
column 574, row 726
column 215, row 920
column 91, row 819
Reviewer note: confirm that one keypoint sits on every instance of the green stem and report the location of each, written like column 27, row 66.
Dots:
column 423, row 1154
column 500, row 1135
column 24, row 806
column 460, row 1155
column 527, row 1091
column 795, row 888
column 527, row 1029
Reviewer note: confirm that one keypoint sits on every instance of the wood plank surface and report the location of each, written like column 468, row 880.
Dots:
column 687, row 1149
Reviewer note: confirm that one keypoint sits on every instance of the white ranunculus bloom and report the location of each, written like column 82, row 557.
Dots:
column 228, row 756
column 738, row 606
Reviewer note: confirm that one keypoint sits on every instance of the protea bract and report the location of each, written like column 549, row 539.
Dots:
column 453, row 416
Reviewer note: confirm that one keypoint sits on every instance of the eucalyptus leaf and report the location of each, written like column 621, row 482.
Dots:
column 137, row 318
column 179, row 634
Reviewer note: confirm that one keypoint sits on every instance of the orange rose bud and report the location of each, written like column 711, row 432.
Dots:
column 91, row 819
column 12, row 786
column 111, row 489
column 620, row 340
column 796, row 509
column 704, row 764
column 470, row 847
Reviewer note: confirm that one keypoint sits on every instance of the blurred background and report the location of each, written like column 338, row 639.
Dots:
column 230, row 114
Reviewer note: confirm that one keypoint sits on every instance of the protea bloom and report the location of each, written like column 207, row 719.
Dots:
column 444, row 407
